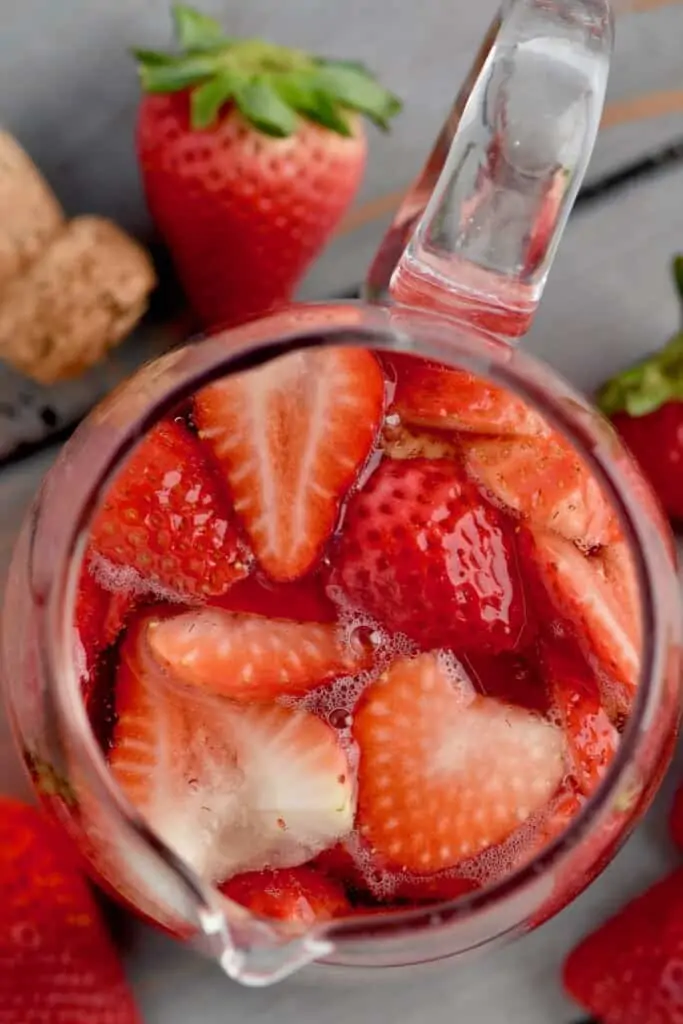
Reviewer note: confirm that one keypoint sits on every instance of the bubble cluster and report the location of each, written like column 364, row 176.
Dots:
column 127, row 580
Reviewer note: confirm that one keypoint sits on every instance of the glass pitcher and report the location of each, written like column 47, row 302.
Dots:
column 464, row 266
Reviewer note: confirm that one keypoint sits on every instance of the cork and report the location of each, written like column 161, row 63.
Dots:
column 30, row 215
column 73, row 303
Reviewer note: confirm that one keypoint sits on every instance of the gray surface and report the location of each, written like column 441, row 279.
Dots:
column 609, row 299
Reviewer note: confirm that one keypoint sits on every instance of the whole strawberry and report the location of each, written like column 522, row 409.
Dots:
column 250, row 154
column 645, row 403
column 629, row 970
column 57, row 962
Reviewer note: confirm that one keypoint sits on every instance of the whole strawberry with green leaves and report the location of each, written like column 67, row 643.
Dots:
column 250, row 154
column 645, row 403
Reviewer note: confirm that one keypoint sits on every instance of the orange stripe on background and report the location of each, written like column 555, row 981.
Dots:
column 636, row 108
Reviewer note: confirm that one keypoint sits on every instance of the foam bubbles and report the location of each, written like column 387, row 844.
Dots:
column 124, row 579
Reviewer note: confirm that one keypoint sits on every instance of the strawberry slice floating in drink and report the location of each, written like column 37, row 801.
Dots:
column 168, row 518
column 596, row 602
column 546, row 483
column 444, row 774
column 229, row 789
column 300, row 896
column 591, row 737
column 430, row 395
column 249, row 657
column 291, row 438
column 429, row 557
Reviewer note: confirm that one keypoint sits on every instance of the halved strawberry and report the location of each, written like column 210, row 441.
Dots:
column 597, row 602
column 99, row 617
column 445, row 773
column 592, row 739
column 168, row 517
column 291, row 438
column 298, row 895
column 230, row 789
column 432, row 395
column 425, row 554
column 304, row 600
column 249, row 657
column 545, row 482
column 508, row 677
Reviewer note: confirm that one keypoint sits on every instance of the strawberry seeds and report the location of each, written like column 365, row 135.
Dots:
column 372, row 632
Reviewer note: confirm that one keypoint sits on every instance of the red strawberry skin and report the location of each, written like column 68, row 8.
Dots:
column 243, row 214
column 656, row 441
column 99, row 618
column 628, row 971
column 298, row 895
column 168, row 517
column 424, row 553
column 57, row 963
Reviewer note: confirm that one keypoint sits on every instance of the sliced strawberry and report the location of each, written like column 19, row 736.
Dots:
column 597, row 603
column 99, row 617
column 291, row 438
column 425, row 554
column 298, row 895
column 445, row 773
column 592, row 739
column 167, row 516
column 304, row 600
column 251, row 658
column 229, row 789
column 431, row 395
column 510, row 678
column 544, row 481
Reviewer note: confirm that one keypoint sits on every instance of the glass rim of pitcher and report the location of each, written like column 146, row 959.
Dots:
column 388, row 328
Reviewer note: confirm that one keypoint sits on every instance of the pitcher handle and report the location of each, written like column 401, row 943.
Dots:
column 477, row 232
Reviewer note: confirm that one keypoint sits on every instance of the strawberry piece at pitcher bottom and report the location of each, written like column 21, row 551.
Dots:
column 430, row 395
column 292, row 437
column 628, row 971
column 167, row 516
column 595, row 596
column 249, row 657
column 443, row 772
column 546, row 483
column 57, row 962
column 229, row 788
column 425, row 554
column 591, row 738
column 298, row 895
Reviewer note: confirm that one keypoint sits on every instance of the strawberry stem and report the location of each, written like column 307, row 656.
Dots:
column 272, row 86
column 651, row 383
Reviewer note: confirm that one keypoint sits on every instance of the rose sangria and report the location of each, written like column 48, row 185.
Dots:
column 356, row 632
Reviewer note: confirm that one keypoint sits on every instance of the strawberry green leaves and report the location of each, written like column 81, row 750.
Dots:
column 196, row 31
column 272, row 86
column 650, row 384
